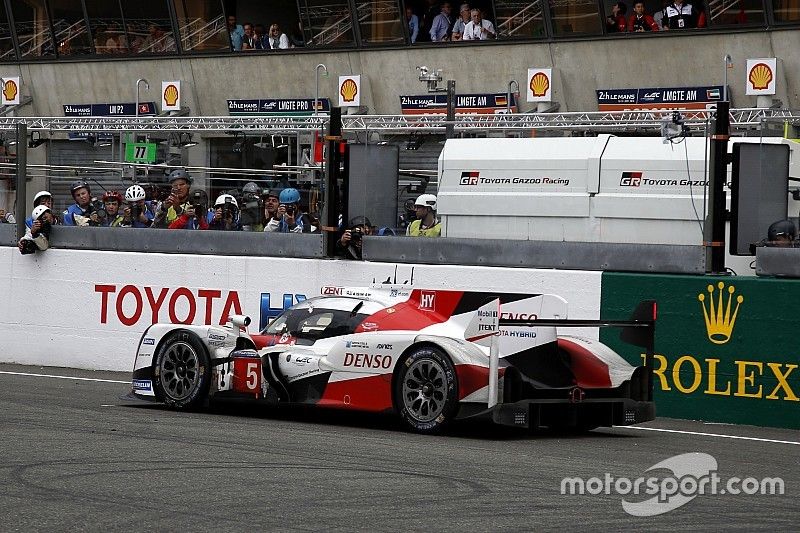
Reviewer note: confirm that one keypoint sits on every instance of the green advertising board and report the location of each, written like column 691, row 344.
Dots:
column 140, row 152
column 726, row 347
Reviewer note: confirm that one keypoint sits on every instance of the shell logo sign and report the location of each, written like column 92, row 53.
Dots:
column 10, row 91
column 350, row 91
column 170, row 96
column 540, row 86
column 761, row 76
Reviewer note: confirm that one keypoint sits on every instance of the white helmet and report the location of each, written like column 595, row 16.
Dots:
column 426, row 200
column 135, row 193
column 223, row 199
column 38, row 211
column 41, row 194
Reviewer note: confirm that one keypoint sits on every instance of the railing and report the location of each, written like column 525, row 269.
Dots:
column 201, row 30
column 531, row 12
column 345, row 23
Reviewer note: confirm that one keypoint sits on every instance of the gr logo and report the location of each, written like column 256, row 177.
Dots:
column 469, row 178
column 631, row 179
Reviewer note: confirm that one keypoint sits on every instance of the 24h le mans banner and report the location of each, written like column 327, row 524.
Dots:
column 726, row 347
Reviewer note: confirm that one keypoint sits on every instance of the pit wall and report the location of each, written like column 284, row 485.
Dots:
column 738, row 366
column 88, row 309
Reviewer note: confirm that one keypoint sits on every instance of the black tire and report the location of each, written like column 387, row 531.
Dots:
column 426, row 390
column 182, row 371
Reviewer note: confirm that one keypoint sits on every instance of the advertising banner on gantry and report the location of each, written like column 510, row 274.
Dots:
column 88, row 309
column 726, row 348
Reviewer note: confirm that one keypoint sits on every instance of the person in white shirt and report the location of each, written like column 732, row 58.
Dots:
column 277, row 39
column 478, row 29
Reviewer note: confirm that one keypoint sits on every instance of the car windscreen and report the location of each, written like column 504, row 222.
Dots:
column 313, row 324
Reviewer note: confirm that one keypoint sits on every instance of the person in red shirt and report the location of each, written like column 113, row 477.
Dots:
column 641, row 21
column 615, row 22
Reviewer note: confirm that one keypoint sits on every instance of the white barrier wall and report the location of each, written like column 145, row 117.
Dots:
column 87, row 309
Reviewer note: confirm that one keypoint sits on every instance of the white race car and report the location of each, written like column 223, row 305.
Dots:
column 429, row 355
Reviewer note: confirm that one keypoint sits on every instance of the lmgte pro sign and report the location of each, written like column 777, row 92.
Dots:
column 761, row 74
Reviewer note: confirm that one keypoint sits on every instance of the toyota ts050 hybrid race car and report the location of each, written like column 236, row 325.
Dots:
column 429, row 355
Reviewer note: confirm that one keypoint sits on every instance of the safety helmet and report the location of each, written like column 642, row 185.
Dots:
column 289, row 196
column 360, row 221
column 781, row 228
column 38, row 211
column 135, row 193
column 80, row 184
column 113, row 196
column 41, row 195
column 426, row 200
column 223, row 199
column 251, row 188
column 180, row 173
column 276, row 193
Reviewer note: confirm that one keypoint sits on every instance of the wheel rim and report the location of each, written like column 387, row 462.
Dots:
column 425, row 390
column 180, row 370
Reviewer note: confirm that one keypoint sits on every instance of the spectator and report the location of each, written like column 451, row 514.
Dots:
column 289, row 218
column 431, row 12
column 157, row 41
column 82, row 212
column 640, row 20
column 236, row 32
column 440, row 27
column 426, row 224
column 615, row 22
column 276, row 39
column 178, row 200
column 461, row 22
column 249, row 41
column 7, row 217
column 261, row 37
column 37, row 237
column 478, row 29
column 271, row 204
column 251, row 208
column 349, row 244
column 224, row 215
column 679, row 15
column 112, row 200
column 297, row 38
column 138, row 212
column 781, row 234
column 195, row 216
column 413, row 24
column 41, row 198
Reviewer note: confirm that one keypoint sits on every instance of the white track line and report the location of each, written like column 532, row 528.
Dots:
column 63, row 377
column 735, row 437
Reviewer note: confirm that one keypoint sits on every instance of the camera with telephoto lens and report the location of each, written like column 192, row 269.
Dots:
column 289, row 209
column 355, row 234
column 228, row 208
column 199, row 200
column 96, row 206
column 251, row 207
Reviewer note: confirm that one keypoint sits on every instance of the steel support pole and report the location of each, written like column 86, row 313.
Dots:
column 22, row 173
column 330, row 218
column 451, row 109
column 714, row 238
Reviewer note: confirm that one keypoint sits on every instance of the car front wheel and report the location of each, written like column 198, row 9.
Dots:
column 182, row 371
column 426, row 390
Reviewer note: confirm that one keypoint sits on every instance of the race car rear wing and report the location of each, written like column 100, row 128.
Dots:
column 639, row 331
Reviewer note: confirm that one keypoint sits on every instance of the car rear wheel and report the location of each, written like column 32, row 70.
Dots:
column 182, row 371
column 426, row 390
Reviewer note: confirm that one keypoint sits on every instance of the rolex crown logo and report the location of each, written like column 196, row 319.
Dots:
column 719, row 320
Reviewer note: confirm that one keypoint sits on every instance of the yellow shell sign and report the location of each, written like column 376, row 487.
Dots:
column 540, row 86
column 171, row 94
column 350, row 90
column 10, row 91
column 760, row 76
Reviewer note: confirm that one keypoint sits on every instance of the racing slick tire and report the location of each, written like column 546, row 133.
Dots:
column 426, row 390
column 182, row 371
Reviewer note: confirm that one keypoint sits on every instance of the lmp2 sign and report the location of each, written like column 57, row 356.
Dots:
column 725, row 348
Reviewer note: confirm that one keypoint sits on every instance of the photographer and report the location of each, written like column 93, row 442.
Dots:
column 138, row 213
column 86, row 210
column 177, row 202
column 272, row 201
column 42, row 198
column 349, row 244
column 194, row 217
column 252, row 208
column 225, row 214
column 289, row 218
column 37, row 237
column 112, row 200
